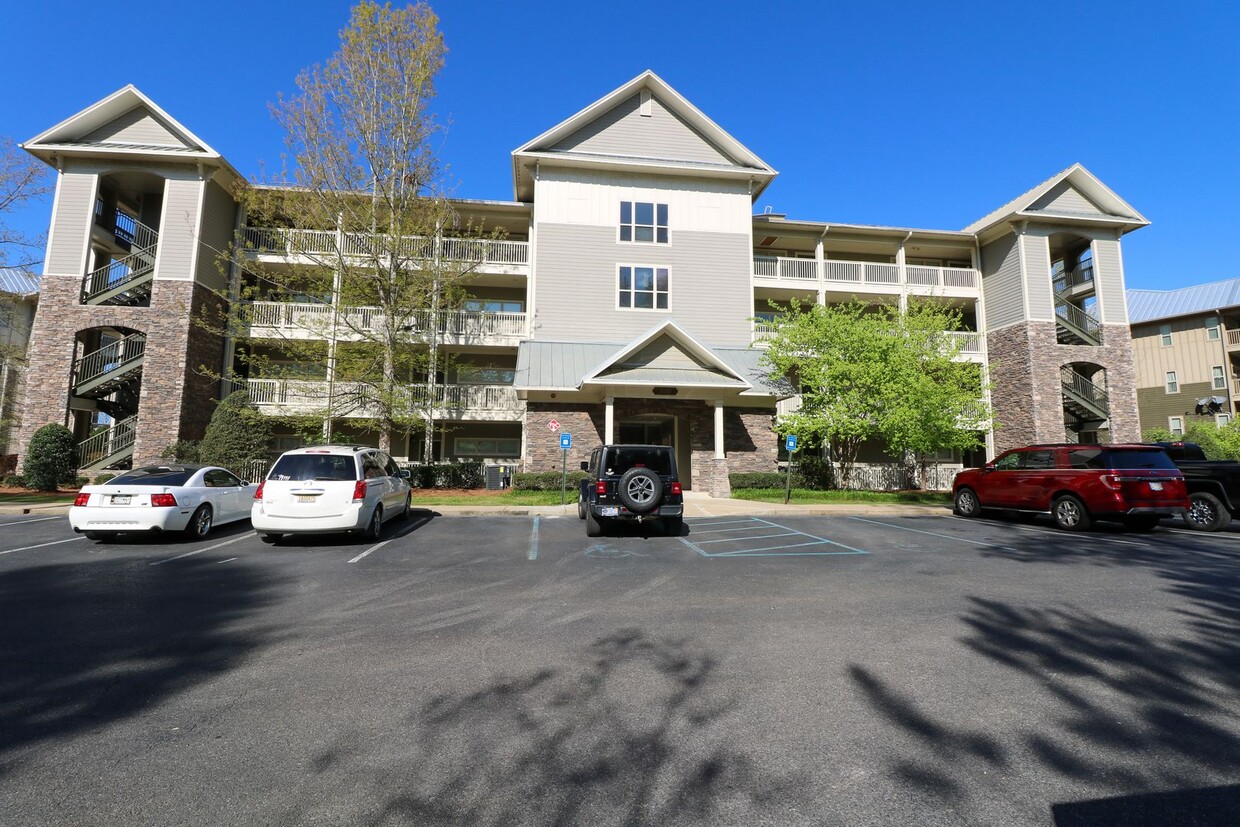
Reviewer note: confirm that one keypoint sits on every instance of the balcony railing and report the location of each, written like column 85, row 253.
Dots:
column 316, row 319
column 970, row 342
column 291, row 242
column 804, row 271
column 350, row 397
column 109, row 358
column 1073, row 278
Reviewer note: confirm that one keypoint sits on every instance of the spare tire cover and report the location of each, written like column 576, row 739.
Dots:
column 641, row 490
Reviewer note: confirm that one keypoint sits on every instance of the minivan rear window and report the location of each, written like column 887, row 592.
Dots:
column 310, row 467
column 620, row 460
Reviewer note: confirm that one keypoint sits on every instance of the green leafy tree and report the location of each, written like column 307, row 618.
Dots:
column 51, row 458
column 237, row 435
column 876, row 373
column 361, row 143
column 1215, row 441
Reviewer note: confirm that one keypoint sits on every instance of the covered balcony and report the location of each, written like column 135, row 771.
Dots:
column 481, row 403
column 303, row 320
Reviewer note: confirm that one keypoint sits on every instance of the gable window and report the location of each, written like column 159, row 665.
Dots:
column 1212, row 329
column 644, row 288
column 1220, row 381
column 1164, row 330
column 1173, row 384
column 643, row 221
column 1175, row 424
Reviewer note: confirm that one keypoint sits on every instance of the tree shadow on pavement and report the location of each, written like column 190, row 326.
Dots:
column 632, row 733
column 87, row 644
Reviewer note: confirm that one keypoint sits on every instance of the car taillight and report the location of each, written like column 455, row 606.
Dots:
column 1110, row 480
column 258, row 494
column 163, row 501
column 676, row 488
column 600, row 487
column 81, row 499
column 359, row 491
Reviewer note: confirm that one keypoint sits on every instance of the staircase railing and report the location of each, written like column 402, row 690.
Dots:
column 115, row 440
column 1078, row 319
column 109, row 358
column 119, row 273
column 1086, row 391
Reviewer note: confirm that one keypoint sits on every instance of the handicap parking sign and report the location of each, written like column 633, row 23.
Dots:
column 566, row 441
column 791, row 443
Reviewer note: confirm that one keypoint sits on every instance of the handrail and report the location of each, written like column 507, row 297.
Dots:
column 1085, row 389
column 1078, row 317
column 118, row 437
column 1068, row 279
column 118, row 273
column 108, row 358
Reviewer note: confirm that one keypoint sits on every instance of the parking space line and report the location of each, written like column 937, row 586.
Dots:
column 201, row 550
column 748, row 537
column 1204, row 535
column 35, row 520
column 1060, row 533
column 932, row 533
column 720, row 522
column 375, row 547
column 533, row 553
column 729, row 530
column 764, row 551
column 790, row 545
column 41, row 545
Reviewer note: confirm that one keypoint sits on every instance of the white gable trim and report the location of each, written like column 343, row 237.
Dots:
column 113, row 106
column 1117, row 209
column 676, row 332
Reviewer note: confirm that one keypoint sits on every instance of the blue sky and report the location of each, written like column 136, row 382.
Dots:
column 912, row 114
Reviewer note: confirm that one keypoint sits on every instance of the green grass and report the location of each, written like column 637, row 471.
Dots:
column 35, row 498
column 430, row 496
column 802, row 495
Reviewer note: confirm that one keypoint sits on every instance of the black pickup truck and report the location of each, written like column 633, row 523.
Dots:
column 1213, row 486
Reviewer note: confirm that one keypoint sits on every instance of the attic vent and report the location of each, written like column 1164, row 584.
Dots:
column 645, row 103
column 768, row 241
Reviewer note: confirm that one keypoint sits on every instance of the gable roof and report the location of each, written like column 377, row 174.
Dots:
column 720, row 372
column 1094, row 202
column 1150, row 305
column 570, row 141
column 125, row 124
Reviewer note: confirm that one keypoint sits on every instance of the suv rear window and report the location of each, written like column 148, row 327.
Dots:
column 154, row 476
column 308, row 467
column 1121, row 459
column 619, row 460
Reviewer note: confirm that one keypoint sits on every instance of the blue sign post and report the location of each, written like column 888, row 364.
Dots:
column 791, row 444
column 566, row 442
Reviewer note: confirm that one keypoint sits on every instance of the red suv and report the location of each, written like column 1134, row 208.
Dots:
column 1077, row 484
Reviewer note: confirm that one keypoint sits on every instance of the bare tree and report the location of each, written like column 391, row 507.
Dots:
column 23, row 178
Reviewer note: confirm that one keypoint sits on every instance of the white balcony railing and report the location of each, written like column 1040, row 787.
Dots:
column 314, row 320
column 801, row 271
column 291, row 242
column 349, row 397
column 970, row 342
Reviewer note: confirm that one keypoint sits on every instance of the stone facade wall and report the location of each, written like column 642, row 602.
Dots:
column 1026, row 388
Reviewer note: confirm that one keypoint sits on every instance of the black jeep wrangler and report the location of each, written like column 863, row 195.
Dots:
column 633, row 483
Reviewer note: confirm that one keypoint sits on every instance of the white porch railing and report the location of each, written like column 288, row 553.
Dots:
column 313, row 394
column 970, row 342
column 862, row 272
column 329, row 243
column 806, row 270
column 316, row 319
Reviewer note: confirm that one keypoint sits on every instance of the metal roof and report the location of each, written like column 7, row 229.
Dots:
column 1148, row 305
column 18, row 282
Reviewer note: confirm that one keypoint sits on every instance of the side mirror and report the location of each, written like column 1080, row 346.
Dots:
column 585, row 466
column 404, row 474
column 244, row 483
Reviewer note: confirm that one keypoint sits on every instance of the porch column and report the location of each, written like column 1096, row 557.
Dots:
column 718, row 403
column 609, row 420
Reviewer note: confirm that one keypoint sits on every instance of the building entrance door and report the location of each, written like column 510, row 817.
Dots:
column 659, row 429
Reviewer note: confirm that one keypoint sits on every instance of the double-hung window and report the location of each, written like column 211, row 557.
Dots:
column 1218, row 377
column 1175, row 424
column 1173, row 382
column 643, row 221
column 643, row 288
column 1164, row 330
column 1212, row 331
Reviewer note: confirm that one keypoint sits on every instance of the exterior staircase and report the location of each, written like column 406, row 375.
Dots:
column 1075, row 325
column 125, row 281
column 104, row 371
column 110, row 448
column 1084, row 400
column 111, row 377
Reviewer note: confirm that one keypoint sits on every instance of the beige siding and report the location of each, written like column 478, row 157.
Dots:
column 1192, row 355
column 219, row 215
column 1040, row 290
column 178, row 229
column 1155, row 405
column 1109, row 281
column 1066, row 198
column 624, row 131
column 70, row 228
column 137, row 126
column 576, row 285
column 1001, row 283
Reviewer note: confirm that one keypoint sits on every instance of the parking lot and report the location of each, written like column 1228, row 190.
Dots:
column 853, row 669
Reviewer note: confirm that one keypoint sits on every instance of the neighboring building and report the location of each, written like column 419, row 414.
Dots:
column 619, row 307
column 1186, row 347
column 19, row 296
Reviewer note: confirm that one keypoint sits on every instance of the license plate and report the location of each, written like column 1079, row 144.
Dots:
column 1156, row 486
column 120, row 499
column 305, row 498
column 608, row 511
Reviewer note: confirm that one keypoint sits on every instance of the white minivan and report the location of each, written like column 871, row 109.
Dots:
column 324, row 489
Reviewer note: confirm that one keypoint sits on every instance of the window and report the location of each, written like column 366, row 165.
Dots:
column 1173, row 384
column 1010, row 462
column 644, row 288
column 1175, row 424
column 1039, row 460
column 485, row 375
column 492, row 306
column 1220, row 380
column 1212, row 328
column 1222, row 419
column 466, row 447
column 1164, row 330
column 643, row 221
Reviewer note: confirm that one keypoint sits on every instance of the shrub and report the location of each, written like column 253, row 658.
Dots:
column 546, row 480
column 763, row 479
column 817, row 473
column 102, row 478
column 51, row 458
column 14, row 481
column 237, row 434
column 447, row 475
column 183, row 450
column 80, row 481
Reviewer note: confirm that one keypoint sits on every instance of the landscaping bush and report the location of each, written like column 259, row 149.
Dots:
column 447, row 475
column 103, row 478
column 817, row 473
column 763, row 479
column 546, row 480
column 51, row 458
column 183, row 450
column 14, row 481
column 80, row 481
column 237, row 434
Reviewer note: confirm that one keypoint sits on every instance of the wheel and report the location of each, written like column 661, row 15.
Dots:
column 273, row 539
column 593, row 527
column 374, row 528
column 404, row 512
column 1206, row 512
column 1141, row 522
column 1070, row 514
column 672, row 526
column 199, row 525
column 581, row 508
column 101, row 536
column 640, row 490
column 966, row 504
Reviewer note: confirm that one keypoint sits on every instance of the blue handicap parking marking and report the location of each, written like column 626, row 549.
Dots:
column 755, row 537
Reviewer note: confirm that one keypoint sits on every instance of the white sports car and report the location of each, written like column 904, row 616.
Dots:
column 154, row 498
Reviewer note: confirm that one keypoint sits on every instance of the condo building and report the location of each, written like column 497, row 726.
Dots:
column 625, row 302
